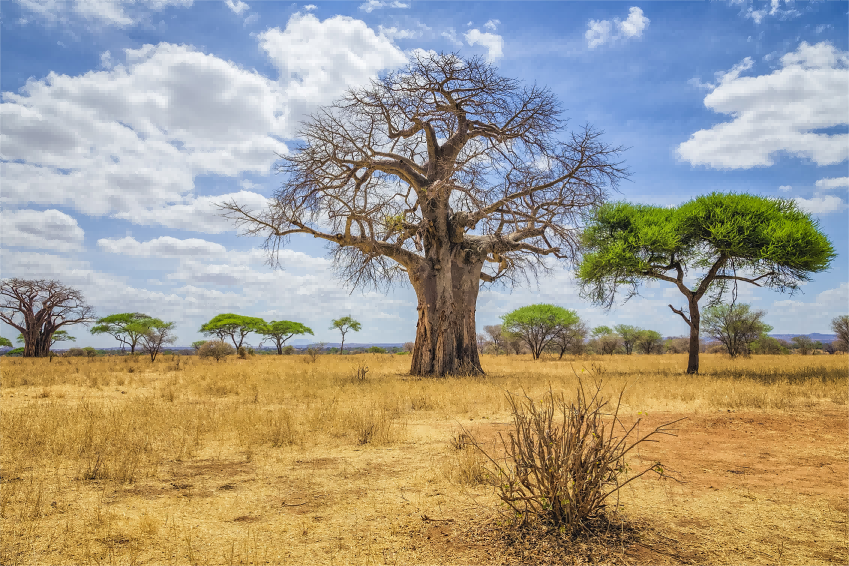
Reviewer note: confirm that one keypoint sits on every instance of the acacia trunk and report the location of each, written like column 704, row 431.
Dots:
column 693, row 361
column 446, row 338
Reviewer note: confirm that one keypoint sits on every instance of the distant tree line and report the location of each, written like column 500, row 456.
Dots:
column 735, row 330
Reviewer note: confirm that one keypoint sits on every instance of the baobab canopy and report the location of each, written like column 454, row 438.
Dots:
column 446, row 174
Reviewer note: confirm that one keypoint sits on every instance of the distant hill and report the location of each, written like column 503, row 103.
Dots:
column 815, row 336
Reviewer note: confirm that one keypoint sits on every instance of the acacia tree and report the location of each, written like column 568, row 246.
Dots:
column 6, row 342
column 38, row 308
column 570, row 337
column 629, row 335
column 840, row 326
column 722, row 238
column 606, row 339
column 649, row 341
column 343, row 325
column 119, row 326
column 537, row 325
column 429, row 173
column 233, row 326
column 279, row 331
column 493, row 331
column 735, row 326
column 154, row 335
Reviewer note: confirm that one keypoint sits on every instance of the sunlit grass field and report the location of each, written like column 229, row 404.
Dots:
column 279, row 460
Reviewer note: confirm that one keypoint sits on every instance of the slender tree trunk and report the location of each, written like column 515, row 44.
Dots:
column 693, row 362
column 279, row 348
column 342, row 345
column 446, row 339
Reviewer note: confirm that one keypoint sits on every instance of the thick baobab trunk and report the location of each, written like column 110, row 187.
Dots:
column 446, row 341
column 693, row 362
column 37, row 343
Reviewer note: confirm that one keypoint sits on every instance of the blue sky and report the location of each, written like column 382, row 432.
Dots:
column 122, row 124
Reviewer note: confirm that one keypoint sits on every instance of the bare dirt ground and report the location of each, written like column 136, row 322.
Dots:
column 747, row 487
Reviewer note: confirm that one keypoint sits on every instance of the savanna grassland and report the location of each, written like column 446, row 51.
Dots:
column 280, row 460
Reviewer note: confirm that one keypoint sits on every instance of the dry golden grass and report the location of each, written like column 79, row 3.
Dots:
column 276, row 460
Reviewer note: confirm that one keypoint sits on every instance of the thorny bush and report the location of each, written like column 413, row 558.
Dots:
column 563, row 461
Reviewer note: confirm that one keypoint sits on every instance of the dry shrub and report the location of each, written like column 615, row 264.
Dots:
column 215, row 349
column 565, row 460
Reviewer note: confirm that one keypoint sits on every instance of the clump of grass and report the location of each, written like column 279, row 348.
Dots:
column 373, row 426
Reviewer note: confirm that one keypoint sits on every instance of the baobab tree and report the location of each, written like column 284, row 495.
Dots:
column 39, row 308
column 431, row 173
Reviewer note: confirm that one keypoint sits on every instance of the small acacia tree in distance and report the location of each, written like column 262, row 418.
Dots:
column 233, row 326
column 343, row 325
column 38, row 308
column 570, row 337
column 840, row 326
column 155, row 334
column 279, row 331
column 606, row 340
column 428, row 174
column 629, row 335
column 494, row 331
column 805, row 344
column 6, row 342
column 119, row 326
column 649, row 342
column 724, row 238
column 734, row 326
column 537, row 325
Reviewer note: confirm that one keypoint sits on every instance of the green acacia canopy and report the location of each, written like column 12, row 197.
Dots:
column 121, row 327
column 537, row 325
column 720, row 238
column 233, row 326
column 5, row 342
column 279, row 331
column 772, row 240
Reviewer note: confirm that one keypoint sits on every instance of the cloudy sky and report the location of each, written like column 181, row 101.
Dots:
column 124, row 122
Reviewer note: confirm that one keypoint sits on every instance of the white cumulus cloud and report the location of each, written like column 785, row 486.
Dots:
column 492, row 25
column 778, row 112
column 120, row 13
column 772, row 9
column 834, row 183
column 129, row 141
column 600, row 32
column 164, row 246
column 372, row 5
column 237, row 6
column 493, row 43
column 821, row 204
column 199, row 214
column 321, row 59
column 134, row 137
column 46, row 230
